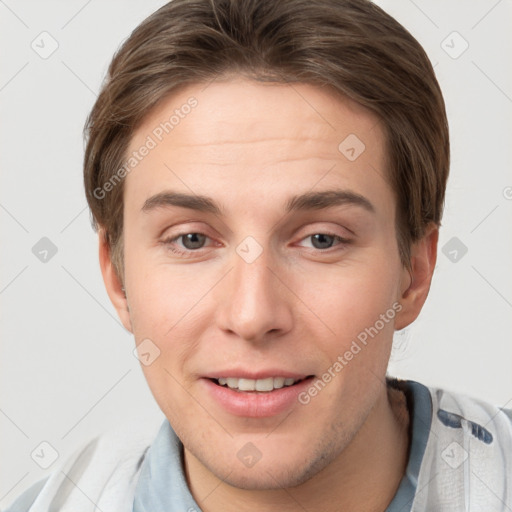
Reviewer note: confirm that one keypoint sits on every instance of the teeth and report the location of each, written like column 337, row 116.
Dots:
column 264, row 384
column 232, row 382
column 246, row 384
column 278, row 382
column 268, row 384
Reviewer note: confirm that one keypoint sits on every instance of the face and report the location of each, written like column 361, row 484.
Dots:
column 261, row 260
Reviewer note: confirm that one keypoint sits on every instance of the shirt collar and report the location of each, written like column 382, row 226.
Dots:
column 162, row 484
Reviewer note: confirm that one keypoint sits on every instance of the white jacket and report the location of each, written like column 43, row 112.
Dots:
column 466, row 465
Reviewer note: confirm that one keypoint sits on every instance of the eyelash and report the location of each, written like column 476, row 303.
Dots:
column 182, row 252
column 340, row 239
column 191, row 252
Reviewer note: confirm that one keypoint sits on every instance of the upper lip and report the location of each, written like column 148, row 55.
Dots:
column 255, row 375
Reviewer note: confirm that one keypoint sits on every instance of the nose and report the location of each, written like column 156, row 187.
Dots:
column 253, row 301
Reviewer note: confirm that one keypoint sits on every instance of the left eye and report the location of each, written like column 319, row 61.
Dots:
column 192, row 241
column 324, row 240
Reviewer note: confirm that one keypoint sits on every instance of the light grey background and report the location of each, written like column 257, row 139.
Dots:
column 67, row 368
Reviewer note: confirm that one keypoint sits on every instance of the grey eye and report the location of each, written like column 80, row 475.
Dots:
column 193, row 240
column 322, row 241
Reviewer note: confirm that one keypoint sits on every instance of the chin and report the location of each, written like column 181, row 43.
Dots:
column 277, row 469
column 267, row 479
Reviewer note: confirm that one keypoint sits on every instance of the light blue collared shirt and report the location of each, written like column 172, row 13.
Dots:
column 460, row 458
column 162, row 485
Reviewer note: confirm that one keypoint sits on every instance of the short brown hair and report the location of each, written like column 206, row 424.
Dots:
column 351, row 45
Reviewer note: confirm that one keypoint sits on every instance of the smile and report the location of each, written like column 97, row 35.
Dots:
column 255, row 398
column 262, row 385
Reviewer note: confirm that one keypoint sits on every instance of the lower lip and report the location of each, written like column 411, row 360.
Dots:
column 253, row 404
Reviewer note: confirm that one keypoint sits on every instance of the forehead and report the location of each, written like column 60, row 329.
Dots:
column 240, row 133
column 250, row 110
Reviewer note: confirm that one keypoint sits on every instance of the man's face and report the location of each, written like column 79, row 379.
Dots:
column 268, row 285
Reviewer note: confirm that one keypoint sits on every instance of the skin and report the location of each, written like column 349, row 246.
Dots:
column 250, row 147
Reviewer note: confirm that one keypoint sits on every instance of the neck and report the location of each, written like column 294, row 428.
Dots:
column 364, row 477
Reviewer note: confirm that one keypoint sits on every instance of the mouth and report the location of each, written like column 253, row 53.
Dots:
column 263, row 397
column 265, row 385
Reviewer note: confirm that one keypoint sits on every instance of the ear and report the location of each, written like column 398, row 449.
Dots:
column 415, row 283
column 113, row 284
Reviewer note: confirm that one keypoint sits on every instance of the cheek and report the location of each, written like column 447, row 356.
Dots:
column 158, row 295
column 167, row 313
column 167, row 306
column 350, row 299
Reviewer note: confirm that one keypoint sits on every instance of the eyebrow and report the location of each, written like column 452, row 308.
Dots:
column 308, row 201
column 192, row 201
column 328, row 199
